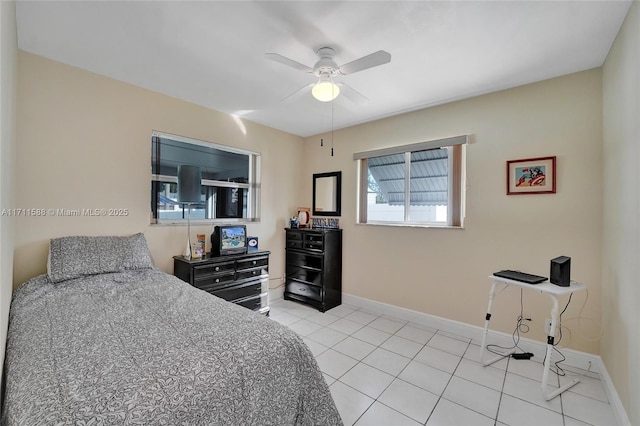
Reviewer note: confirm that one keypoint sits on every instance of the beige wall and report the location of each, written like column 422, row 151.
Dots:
column 84, row 141
column 444, row 272
column 8, row 82
column 621, row 253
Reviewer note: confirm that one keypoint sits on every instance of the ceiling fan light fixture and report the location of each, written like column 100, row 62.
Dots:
column 325, row 90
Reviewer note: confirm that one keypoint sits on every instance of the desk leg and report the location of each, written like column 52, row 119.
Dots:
column 547, row 359
column 483, row 345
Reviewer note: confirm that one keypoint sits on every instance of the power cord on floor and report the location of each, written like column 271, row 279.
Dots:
column 521, row 327
column 556, row 365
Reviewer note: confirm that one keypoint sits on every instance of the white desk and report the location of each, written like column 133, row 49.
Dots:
column 547, row 288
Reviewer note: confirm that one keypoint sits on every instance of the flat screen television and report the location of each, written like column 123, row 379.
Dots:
column 229, row 239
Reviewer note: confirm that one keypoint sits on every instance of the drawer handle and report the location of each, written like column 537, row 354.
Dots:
column 217, row 268
column 302, row 289
column 217, row 280
column 254, row 262
column 254, row 272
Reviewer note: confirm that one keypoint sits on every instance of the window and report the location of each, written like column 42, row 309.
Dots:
column 418, row 184
column 230, row 180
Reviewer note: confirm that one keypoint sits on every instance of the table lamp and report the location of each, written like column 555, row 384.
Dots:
column 189, row 184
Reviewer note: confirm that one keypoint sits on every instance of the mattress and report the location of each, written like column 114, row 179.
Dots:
column 139, row 346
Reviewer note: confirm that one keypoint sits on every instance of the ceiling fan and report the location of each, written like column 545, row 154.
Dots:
column 325, row 89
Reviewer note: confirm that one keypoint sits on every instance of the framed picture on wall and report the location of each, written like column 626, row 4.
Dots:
column 531, row 176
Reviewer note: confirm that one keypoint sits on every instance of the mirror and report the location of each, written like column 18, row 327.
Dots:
column 327, row 194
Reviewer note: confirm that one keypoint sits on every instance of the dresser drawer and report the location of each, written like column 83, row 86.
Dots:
column 294, row 240
column 252, row 263
column 212, row 282
column 304, row 259
column 213, row 269
column 239, row 292
column 250, row 273
column 312, row 276
column 253, row 303
column 294, row 235
column 313, row 242
column 301, row 289
column 294, row 244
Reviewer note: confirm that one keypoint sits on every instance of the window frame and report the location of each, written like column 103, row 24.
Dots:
column 252, row 186
column 456, row 176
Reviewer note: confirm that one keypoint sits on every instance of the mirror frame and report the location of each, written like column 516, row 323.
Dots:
column 337, row 195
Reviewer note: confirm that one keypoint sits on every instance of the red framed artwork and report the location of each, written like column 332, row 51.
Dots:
column 531, row 176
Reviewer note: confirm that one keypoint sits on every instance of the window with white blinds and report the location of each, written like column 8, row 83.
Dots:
column 417, row 184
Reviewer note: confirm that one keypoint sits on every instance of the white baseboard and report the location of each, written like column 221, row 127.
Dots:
column 576, row 359
column 276, row 293
column 612, row 394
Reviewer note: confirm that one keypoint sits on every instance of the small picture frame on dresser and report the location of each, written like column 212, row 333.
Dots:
column 252, row 244
column 198, row 248
column 304, row 217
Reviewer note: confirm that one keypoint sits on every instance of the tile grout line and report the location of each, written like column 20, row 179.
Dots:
column 504, row 381
column 379, row 346
column 441, row 396
column 397, row 376
column 421, row 346
column 424, row 345
column 361, row 362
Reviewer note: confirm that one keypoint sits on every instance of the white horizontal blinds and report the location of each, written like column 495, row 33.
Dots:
column 420, row 146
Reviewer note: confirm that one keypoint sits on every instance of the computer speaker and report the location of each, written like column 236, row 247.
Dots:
column 560, row 273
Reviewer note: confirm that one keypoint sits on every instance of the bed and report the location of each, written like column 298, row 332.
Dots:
column 106, row 338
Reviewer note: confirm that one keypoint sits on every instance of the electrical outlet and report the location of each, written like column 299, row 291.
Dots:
column 547, row 326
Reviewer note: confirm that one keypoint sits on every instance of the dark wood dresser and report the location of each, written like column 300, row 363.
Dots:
column 314, row 267
column 242, row 279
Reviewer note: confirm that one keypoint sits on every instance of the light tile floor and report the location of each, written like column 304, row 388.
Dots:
column 390, row 372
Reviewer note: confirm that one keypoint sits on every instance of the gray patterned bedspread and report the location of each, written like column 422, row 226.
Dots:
column 143, row 347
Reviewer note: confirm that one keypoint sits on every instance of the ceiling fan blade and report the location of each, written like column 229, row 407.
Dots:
column 373, row 60
column 298, row 93
column 289, row 62
column 352, row 94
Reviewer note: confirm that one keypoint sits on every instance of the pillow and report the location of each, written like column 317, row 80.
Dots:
column 73, row 257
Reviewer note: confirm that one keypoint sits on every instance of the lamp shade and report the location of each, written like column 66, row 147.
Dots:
column 189, row 183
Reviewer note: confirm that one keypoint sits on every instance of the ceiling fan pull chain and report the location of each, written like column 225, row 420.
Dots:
column 332, row 105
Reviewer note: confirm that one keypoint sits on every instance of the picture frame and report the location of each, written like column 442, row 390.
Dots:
column 304, row 217
column 531, row 176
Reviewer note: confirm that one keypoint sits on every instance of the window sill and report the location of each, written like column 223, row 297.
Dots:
column 202, row 222
column 412, row 225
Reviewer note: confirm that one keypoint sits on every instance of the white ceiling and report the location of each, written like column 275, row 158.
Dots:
column 211, row 53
